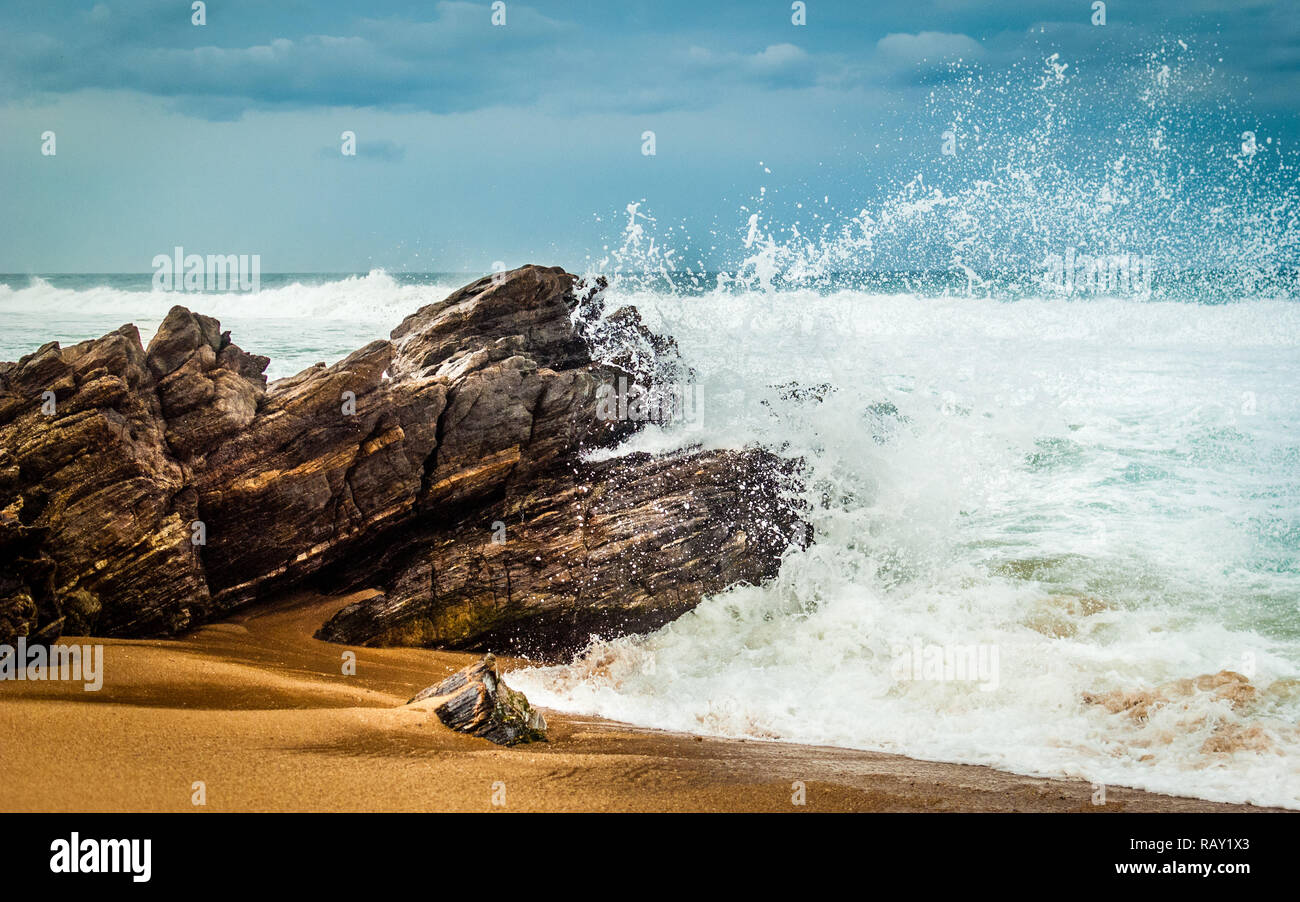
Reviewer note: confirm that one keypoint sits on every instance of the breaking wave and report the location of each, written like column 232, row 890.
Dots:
column 1089, row 491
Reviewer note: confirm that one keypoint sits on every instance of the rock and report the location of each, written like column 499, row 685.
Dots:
column 109, row 505
column 26, row 582
column 306, row 479
column 527, row 308
column 477, row 701
column 621, row 546
column 208, row 387
column 466, row 396
column 173, row 484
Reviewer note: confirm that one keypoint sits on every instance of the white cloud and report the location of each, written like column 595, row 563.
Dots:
column 928, row 47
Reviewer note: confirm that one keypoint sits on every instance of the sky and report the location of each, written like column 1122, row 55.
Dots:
column 523, row 142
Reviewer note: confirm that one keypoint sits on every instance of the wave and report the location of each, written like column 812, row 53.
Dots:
column 296, row 324
column 375, row 296
column 1092, row 487
column 1039, row 181
column 1105, row 493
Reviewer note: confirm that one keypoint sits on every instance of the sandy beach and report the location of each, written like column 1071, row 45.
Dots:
column 260, row 712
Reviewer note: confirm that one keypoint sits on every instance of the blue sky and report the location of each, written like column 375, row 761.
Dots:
column 522, row 142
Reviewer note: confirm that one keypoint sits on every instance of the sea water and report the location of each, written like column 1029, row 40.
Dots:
column 1104, row 492
column 1044, row 394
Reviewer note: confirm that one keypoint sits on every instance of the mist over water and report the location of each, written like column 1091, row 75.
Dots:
column 1099, row 480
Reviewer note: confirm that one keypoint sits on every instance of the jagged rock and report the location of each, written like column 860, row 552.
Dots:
column 527, row 308
column 465, row 397
column 208, row 387
column 334, row 454
column 477, row 701
column 621, row 546
column 174, row 484
column 95, row 478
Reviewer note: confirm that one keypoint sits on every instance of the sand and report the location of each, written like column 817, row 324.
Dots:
column 262, row 715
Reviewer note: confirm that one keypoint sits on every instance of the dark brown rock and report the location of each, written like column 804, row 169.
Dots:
column 621, row 546
column 477, row 701
column 208, row 387
column 528, row 308
column 334, row 454
column 26, row 582
column 440, row 418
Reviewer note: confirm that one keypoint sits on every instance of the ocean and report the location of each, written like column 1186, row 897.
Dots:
column 296, row 319
column 1094, row 496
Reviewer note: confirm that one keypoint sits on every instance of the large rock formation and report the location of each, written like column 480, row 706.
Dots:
column 145, row 491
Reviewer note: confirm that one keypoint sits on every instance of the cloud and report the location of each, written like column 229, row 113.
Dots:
column 455, row 62
column 927, row 48
column 449, row 58
column 924, row 58
column 777, row 65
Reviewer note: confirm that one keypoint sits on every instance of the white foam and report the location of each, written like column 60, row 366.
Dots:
column 376, row 295
column 296, row 325
column 1106, row 440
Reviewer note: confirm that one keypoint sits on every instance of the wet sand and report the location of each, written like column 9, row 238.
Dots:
column 262, row 714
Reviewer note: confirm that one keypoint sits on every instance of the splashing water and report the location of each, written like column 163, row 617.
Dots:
column 1097, row 491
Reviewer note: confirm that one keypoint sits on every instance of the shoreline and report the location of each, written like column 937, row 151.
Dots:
column 259, row 711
